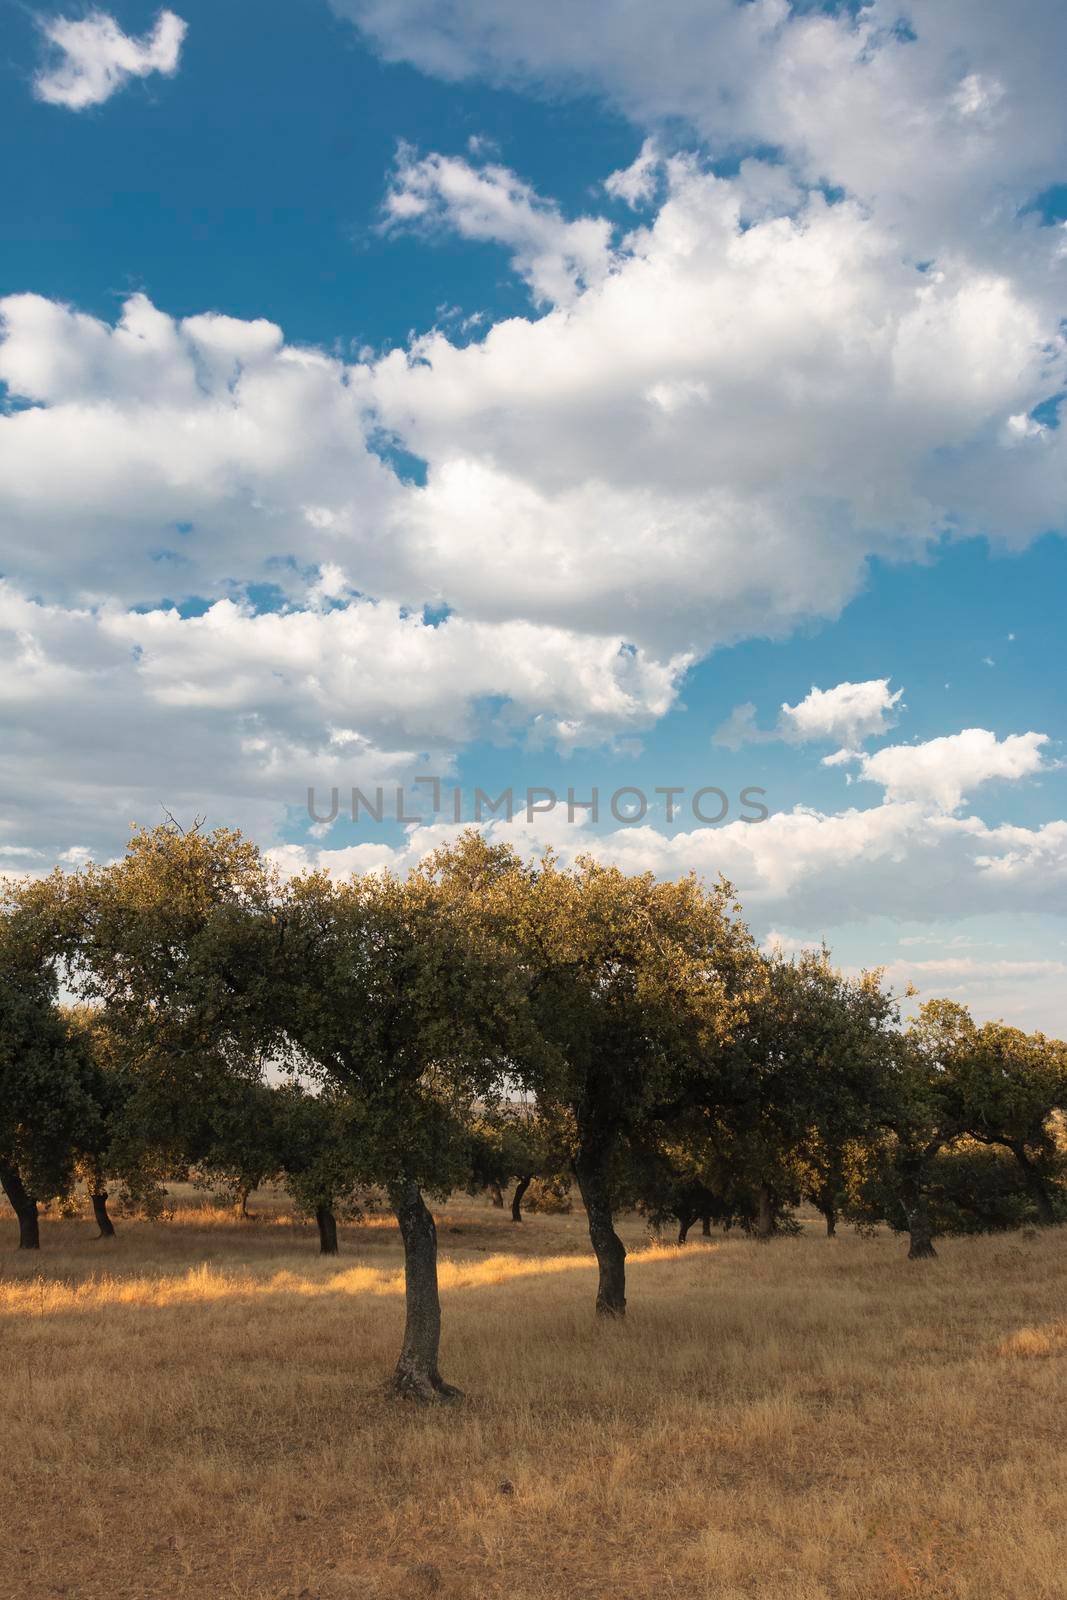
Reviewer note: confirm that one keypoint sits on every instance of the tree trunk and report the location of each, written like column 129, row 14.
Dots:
column 764, row 1214
column 242, row 1203
column 705, row 1227
column 327, row 1231
column 920, row 1228
column 24, row 1207
column 1036, row 1187
column 829, row 1211
column 103, row 1221
column 416, row 1376
column 915, row 1203
column 516, row 1199
column 590, row 1168
column 685, row 1222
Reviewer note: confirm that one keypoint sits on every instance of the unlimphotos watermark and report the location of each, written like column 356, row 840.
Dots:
column 627, row 805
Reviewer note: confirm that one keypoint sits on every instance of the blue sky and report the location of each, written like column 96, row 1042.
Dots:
column 396, row 388
column 256, row 192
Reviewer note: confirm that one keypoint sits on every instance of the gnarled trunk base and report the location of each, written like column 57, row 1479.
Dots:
column 410, row 1382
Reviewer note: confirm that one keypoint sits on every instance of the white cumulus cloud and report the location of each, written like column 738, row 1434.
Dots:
column 490, row 203
column 942, row 114
column 941, row 773
column 848, row 713
column 112, row 712
column 94, row 57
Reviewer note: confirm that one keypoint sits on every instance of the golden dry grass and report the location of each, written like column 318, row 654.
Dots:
column 196, row 1410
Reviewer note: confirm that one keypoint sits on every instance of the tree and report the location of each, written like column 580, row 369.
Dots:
column 48, row 1103
column 538, row 1152
column 683, row 1175
column 169, row 951
column 399, row 994
column 920, row 1105
column 805, row 1079
column 631, row 985
column 238, row 1146
column 1009, row 1085
column 124, row 1143
column 321, row 1143
column 976, row 1187
column 776, row 1115
column 830, row 1174
column 516, row 1144
column 95, row 1141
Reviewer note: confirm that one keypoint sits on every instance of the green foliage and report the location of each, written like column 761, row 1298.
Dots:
column 121, row 1146
column 172, row 943
column 514, row 1141
column 49, row 1090
column 323, row 1150
column 488, row 1021
column 970, row 1187
column 396, row 992
column 803, row 1080
column 632, row 987
column 239, row 1146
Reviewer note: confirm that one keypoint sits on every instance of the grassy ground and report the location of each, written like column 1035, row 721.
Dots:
column 196, row 1411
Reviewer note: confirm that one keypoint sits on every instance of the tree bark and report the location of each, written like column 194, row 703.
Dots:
column 920, row 1228
column 417, row 1376
column 764, row 1214
column 916, row 1205
column 921, row 1233
column 829, row 1211
column 517, row 1198
column 1036, row 1187
column 103, row 1221
column 498, row 1195
column 705, row 1227
column 242, row 1203
column 327, row 1231
column 24, row 1207
column 591, row 1171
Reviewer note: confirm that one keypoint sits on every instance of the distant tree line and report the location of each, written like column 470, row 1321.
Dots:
column 490, row 1023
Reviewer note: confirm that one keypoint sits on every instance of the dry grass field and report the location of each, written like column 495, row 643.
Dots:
column 196, row 1411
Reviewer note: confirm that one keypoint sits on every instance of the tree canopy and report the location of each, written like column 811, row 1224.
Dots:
column 488, row 1020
